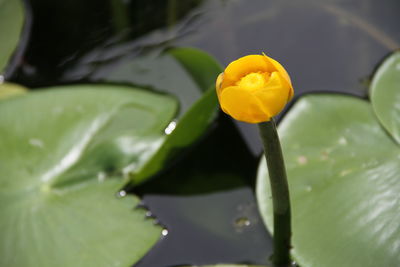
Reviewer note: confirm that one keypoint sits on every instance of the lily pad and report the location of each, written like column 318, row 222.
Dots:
column 62, row 159
column 8, row 90
column 11, row 23
column 343, row 172
column 385, row 94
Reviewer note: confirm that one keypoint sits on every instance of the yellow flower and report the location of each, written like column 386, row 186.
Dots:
column 254, row 88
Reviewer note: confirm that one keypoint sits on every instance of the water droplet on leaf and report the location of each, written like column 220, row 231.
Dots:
column 164, row 232
column 121, row 193
column 170, row 128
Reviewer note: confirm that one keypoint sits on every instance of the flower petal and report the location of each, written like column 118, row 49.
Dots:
column 218, row 85
column 280, row 69
column 275, row 95
column 245, row 65
column 278, row 81
column 242, row 105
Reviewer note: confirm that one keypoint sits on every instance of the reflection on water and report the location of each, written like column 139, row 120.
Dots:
column 331, row 45
column 205, row 203
column 325, row 45
column 207, row 229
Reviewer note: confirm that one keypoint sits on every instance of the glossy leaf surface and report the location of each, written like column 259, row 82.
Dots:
column 202, row 70
column 11, row 23
column 63, row 157
column 343, row 172
column 8, row 90
column 385, row 94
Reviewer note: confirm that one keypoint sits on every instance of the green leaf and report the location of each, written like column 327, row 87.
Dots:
column 158, row 72
column 63, row 155
column 203, row 69
column 201, row 66
column 11, row 23
column 189, row 128
column 343, row 173
column 187, row 73
column 8, row 90
column 385, row 94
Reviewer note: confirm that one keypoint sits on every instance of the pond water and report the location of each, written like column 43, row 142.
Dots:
column 326, row 46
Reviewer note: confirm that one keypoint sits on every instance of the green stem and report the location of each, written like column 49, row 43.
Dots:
column 280, row 194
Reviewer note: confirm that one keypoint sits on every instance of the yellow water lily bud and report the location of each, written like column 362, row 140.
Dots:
column 254, row 88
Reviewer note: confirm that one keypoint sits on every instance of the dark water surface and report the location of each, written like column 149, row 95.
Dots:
column 206, row 200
